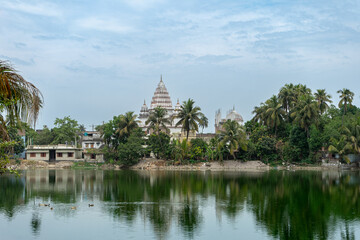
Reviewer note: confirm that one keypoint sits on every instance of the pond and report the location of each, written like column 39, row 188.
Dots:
column 97, row 204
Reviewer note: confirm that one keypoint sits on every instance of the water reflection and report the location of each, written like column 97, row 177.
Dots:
column 285, row 205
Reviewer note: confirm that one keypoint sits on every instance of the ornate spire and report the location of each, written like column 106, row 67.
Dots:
column 177, row 106
column 161, row 97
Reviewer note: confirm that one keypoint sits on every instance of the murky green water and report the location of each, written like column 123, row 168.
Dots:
column 180, row 205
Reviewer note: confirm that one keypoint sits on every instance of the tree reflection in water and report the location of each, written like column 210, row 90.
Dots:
column 288, row 205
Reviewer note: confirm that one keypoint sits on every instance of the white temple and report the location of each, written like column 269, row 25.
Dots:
column 231, row 115
column 161, row 98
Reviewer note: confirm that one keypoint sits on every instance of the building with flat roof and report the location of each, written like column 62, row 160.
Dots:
column 52, row 153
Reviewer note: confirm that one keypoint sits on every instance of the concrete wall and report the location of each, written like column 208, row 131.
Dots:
column 37, row 155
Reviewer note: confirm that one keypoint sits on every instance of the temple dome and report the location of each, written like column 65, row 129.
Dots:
column 233, row 115
column 161, row 97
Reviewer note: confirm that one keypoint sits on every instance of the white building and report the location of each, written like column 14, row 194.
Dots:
column 231, row 115
column 161, row 98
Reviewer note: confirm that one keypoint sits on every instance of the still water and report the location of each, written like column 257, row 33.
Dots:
column 179, row 205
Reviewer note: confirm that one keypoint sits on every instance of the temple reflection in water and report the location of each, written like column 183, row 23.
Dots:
column 284, row 205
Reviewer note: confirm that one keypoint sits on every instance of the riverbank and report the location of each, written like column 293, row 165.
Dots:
column 156, row 164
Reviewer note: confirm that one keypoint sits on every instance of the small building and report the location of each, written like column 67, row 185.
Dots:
column 51, row 153
column 91, row 140
column 92, row 144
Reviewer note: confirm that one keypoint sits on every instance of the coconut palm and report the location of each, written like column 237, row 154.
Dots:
column 286, row 96
column 322, row 99
column 189, row 117
column 204, row 122
column 259, row 113
column 158, row 121
column 20, row 100
column 127, row 123
column 232, row 136
column 274, row 114
column 306, row 112
column 346, row 98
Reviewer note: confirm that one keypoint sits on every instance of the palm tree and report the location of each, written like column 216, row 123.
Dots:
column 157, row 120
column 232, row 136
column 306, row 112
column 259, row 113
column 346, row 98
column 286, row 96
column 19, row 99
column 127, row 123
column 322, row 99
column 274, row 114
column 189, row 117
column 204, row 122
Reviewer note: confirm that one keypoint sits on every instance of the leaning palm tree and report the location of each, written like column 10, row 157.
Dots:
column 189, row 117
column 346, row 98
column 158, row 120
column 274, row 114
column 322, row 99
column 232, row 136
column 20, row 100
column 127, row 123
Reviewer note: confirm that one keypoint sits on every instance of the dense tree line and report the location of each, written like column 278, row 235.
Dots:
column 299, row 125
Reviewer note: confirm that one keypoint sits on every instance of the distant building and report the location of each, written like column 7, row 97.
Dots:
column 92, row 143
column 231, row 115
column 51, row 153
column 161, row 98
column 91, row 139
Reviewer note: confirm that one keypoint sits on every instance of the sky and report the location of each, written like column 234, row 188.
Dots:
column 95, row 59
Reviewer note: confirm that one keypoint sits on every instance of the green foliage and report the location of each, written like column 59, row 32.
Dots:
column 266, row 149
column 298, row 141
column 44, row 137
column 316, row 139
column 132, row 150
column 66, row 130
column 189, row 117
column 5, row 149
column 159, row 145
column 18, row 141
column 198, row 148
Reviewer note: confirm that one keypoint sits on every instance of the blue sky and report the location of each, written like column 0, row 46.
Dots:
column 96, row 59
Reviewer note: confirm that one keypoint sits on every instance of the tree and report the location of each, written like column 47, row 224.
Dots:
column 132, row 150
column 204, row 122
column 286, row 96
column 157, row 120
column 20, row 100
column 346, row 98
column 322, row 99
column 306, row 112
column 126, row 124
column 66, row 130
column 159, row 145
column 232, row 136
column 274, row 114
column 189, row 117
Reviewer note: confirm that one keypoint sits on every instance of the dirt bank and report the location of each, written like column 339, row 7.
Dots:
column 152, row 164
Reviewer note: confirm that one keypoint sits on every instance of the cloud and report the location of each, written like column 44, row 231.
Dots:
column 142, row 4
column 107, row 25
column 41, row 8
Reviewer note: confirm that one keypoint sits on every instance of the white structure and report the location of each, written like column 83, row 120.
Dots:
column 231, row 115
column 162, row 99
column 92, row 140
